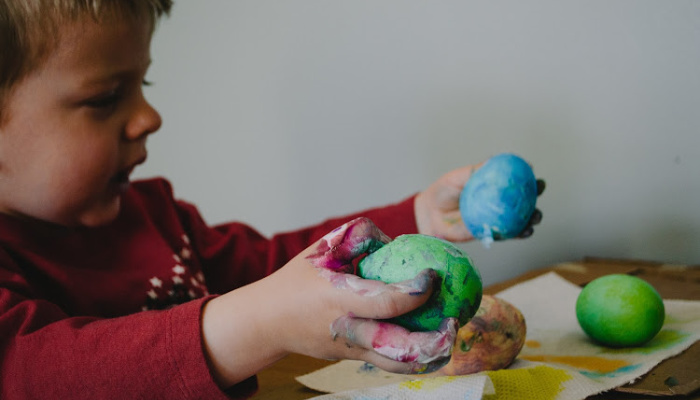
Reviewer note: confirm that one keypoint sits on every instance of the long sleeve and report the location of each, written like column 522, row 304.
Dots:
column 111, row 312
column 234, row 254
column 46, row 354
column 115, row 312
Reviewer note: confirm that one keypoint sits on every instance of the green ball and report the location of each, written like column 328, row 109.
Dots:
column 620, row 310
column 460, row 290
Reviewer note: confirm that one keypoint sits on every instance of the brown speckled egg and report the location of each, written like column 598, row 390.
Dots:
column 490, row 341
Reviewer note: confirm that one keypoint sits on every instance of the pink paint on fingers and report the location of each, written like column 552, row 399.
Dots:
column 399, row 344
column 338, row 248
column 427, row 351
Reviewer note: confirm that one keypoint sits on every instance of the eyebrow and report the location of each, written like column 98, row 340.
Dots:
column 117, row 75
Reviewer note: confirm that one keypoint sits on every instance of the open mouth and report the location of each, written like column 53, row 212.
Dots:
column 121, row 180
column 122, row 177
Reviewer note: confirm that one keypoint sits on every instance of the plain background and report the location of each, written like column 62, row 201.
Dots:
column 283, row 113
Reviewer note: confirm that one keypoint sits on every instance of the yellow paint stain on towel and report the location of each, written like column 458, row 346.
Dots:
column 590, row 363
column 533, row 344
column 427, row 384
column 541, row 382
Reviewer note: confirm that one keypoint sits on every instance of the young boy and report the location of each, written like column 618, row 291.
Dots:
column 110, row 289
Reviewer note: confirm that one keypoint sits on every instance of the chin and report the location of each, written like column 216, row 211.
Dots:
column 101, row 215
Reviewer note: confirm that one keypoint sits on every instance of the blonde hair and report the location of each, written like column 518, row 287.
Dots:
column 29, row 29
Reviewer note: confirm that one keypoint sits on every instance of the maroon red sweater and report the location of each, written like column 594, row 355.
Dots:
column 114, row 312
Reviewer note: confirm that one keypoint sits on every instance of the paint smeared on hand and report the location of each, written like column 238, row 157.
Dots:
column 416, row 287
column 425, row 351
column 420, row 352
column 339, row 248
column 336, row 251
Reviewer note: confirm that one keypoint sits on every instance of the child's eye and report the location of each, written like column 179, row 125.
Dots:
column 104, row 101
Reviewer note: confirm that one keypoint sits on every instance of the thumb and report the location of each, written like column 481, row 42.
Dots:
column 378, row 300
column 458, row 177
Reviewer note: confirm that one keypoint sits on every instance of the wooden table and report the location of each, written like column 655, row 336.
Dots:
column 278, row 381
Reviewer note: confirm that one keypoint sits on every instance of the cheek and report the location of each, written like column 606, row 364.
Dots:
column 77, row 174
column 95, row 159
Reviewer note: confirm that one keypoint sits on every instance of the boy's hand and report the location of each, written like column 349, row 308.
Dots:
column 385, row 345
column 315, row 305
column 437, row 207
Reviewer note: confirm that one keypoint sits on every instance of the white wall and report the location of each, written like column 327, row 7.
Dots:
column 282, row 113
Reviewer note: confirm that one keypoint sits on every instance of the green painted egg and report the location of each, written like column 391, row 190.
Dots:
column 619, row 310
column 460, row 290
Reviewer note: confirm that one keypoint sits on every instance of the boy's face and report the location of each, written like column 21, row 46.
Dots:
column 77, row 126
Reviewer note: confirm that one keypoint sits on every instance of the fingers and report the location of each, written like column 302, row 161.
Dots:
column 541, row 185
column 419, row 352
column 338, row 248
column 453, row 227
column 417, row 287
column 437, row 207
column 459, row 177
column 386, row 345
column 398, row 367
column 536, row 217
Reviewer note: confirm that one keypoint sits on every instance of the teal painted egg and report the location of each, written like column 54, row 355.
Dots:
column 499, row 198
column 460, row 290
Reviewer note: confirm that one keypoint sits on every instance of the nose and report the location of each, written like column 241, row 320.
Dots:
column 144, row 121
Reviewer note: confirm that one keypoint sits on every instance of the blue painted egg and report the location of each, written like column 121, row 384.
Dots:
column 499, row 198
